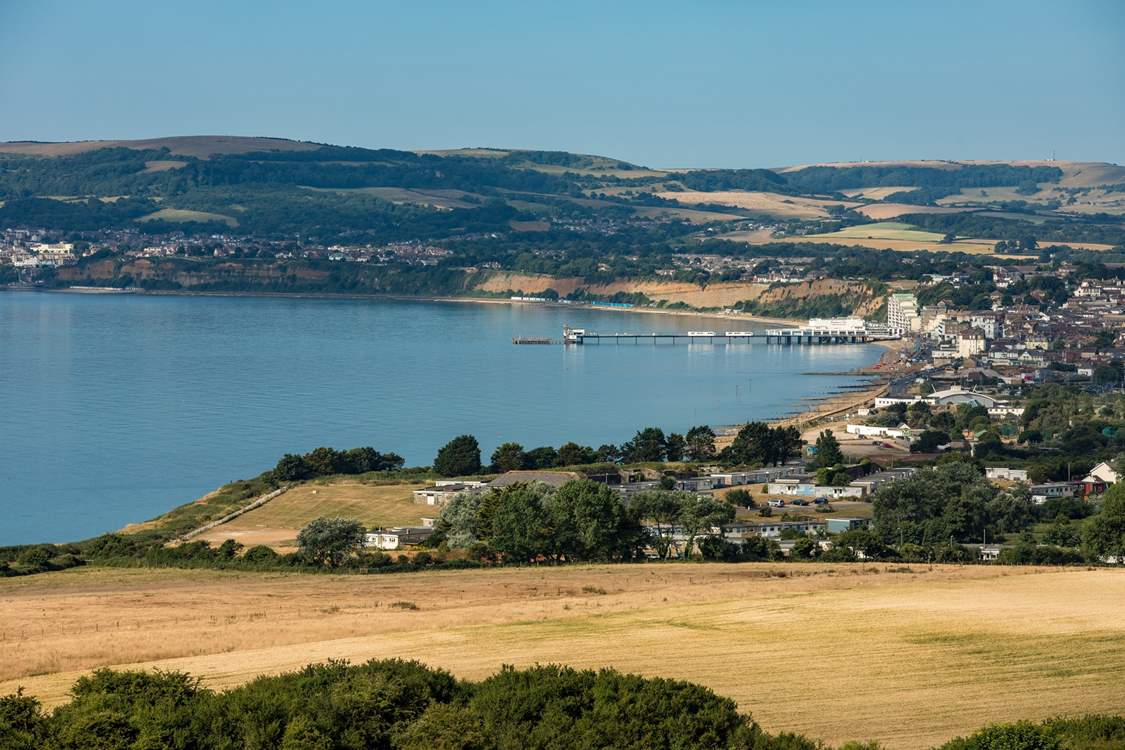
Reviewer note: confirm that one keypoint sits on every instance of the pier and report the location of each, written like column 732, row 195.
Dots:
column 818, row 331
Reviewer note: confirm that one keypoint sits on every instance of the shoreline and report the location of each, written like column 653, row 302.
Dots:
column 709, row 314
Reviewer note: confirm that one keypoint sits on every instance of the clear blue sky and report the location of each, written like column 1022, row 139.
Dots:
column 736, row 84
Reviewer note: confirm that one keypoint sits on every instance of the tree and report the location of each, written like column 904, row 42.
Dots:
column 662, row 510
column 647, row 445
column 918, row 414
column 521, row 528
column 740, row 498
column 459, row 457
column 328, row 541
column 700, row 513
column 325, row 461
column 1062, row 533
column 750, row 446
column 700, row 443
column 573, row 454
column 589, row 522
column 542, row 458
column 292, row 468
column 1105, row 532
column 508, row 457
column 674, row 447
column 805, row 548
column 929, row 441
column 828, row 450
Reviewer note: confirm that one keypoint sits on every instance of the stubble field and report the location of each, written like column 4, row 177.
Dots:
column 908, row 655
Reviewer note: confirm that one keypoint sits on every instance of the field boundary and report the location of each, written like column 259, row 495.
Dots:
column 258, row 502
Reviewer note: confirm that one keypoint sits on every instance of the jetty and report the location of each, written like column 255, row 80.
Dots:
column 818, row 331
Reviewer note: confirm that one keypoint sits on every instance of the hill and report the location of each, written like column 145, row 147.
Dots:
column 547, row 212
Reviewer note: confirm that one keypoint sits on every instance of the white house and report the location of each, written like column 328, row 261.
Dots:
column 397, row 537
column 1006, row 473
column 870, row 430
column 1103, row 472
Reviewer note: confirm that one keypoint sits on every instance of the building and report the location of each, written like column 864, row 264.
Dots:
column 739, row 531
column 1006, row 474
column 397, row 537
column 902, row 313
column 958, row 395
column 809, row 488
column 869, row 484
column 551, row 478
column 903, row 431
column 1104, row 473
column 443, row 491
column 1041, row 493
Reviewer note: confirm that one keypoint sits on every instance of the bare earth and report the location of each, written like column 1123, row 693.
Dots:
column 903, row 654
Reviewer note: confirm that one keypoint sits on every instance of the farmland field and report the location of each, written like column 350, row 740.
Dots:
column 760, row 202
column 181, row 214
column 909, row 655
column 276, row 523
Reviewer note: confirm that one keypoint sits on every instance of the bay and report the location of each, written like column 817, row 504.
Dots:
column 115, row 408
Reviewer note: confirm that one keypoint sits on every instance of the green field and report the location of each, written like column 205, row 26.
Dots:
column 183, row 215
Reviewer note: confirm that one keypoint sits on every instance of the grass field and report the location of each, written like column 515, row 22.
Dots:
column 908, row 655
column 437, row 198
column 277, row 522
column 182, row 214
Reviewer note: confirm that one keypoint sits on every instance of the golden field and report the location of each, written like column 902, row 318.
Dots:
column 908, row 655
column 277, row 522
column 789, row 206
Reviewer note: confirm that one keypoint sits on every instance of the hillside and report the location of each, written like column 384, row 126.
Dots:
column 589, row 222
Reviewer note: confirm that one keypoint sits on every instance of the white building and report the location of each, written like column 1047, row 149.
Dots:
column 1006, row 473
column 902, row 313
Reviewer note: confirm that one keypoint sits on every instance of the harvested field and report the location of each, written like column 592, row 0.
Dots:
column 875, row 193
column 162, row 165
column 906, row 654
column 891, row 210
column 789, row 206
column 277, row 522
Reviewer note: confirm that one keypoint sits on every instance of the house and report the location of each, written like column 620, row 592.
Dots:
column 740, row 531
column 397, row 537
column 989, row 552
column 696, row 484
column 1041, row 493
column 1006, row 474
column 793, row 487
column 1104, row 473
column 870, row 430
column 443, row 491
column 551, row 478
column 869, row 484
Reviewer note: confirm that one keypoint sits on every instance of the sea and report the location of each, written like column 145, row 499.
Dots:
column 117, row 407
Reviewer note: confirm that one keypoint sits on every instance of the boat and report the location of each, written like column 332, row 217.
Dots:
column 701, row 334
column 740, row 334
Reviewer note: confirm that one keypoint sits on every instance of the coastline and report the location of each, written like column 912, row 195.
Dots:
column 709, row 314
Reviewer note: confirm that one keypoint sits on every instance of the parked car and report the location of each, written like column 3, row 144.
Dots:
column 801, row 502
column 821, row 501
column 777, row 503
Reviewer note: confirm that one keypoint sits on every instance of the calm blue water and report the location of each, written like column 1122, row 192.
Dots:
column 115, row 408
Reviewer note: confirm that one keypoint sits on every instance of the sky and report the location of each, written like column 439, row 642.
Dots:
column 705, row 83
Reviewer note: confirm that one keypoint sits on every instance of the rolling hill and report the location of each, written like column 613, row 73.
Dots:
column 274, row 187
